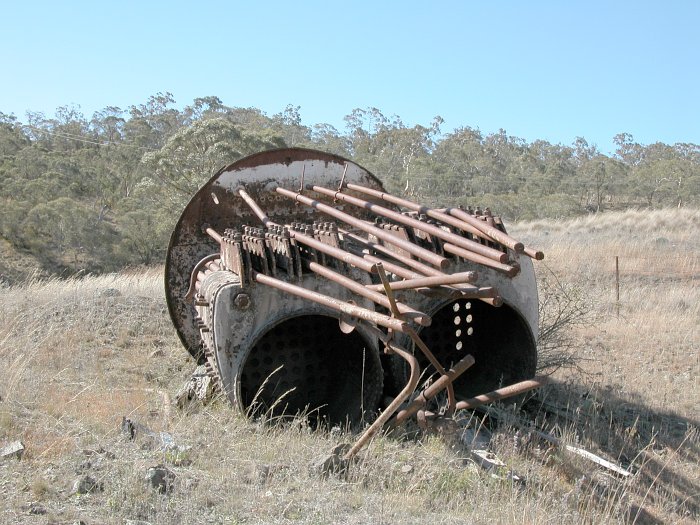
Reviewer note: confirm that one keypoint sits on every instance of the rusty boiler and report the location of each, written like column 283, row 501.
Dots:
column 306, row 288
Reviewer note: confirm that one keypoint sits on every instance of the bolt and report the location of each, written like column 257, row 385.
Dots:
column 242, row 301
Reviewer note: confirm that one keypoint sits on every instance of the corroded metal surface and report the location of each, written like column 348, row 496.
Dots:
column 304, row 287
column 217, row 206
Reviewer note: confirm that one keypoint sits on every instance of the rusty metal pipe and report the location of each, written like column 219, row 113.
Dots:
column 257, row 210
column 213, row 234
column 332, row 303
column 334, row 252
column 480, row 259
column 486, row 293
column 436, row 364
column 394, row 405
column 484, row 229
column 393, row 268
column 488, row 229
column 438, row 280
column 388, row 292
column 419, row 317
column 411, row 263
column 493, row 301
column 434, row 389
column 418, row 266
column 431, row 229
column 414, row 336
column 411, row 248
column 337, row 253
column 535, row 254
column 502, row 393
column 483, row 226
column 439, row 215
column 453, row 289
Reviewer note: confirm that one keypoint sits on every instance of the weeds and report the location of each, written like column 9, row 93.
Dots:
column 563, row 307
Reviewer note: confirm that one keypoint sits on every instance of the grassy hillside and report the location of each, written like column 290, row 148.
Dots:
column 16, row 266
column 78, row 355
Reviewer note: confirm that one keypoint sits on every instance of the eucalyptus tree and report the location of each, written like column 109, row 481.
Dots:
column 398, row 154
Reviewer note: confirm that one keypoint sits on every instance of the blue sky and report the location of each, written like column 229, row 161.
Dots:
column 539, row 70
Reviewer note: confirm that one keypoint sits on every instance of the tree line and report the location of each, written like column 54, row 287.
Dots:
column 102, row 193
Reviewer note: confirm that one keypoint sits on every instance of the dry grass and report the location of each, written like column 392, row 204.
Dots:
column 649, row 350
column 641, row 356
column 78, row 355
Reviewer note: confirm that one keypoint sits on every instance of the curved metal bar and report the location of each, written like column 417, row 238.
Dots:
column 433, row 390
column 394, row 405
column 193, row 277
column 452, row 401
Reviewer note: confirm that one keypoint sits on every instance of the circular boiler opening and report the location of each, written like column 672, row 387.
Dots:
column 499, row 339
column 306, row 365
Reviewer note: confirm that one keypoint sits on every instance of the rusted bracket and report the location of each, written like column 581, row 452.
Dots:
column 388, row 291
column 195, row 272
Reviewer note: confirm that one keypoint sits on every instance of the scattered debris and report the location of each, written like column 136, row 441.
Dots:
column 36, row 509
column 584, row 454
column 491, row 462
column 607, row 464
column 101, row 451
column 160, row 478
column 163, row 441
column 12, row 450
column 86, row 485
column 478, row 441
column 334, row 463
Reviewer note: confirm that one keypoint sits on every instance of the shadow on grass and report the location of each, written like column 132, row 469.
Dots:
column 660, row 446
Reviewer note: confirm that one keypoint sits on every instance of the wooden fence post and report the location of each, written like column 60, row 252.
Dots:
column 617, row 285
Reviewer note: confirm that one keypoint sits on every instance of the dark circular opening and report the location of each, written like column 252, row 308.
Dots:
column 306, row 365
column 498, row 338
